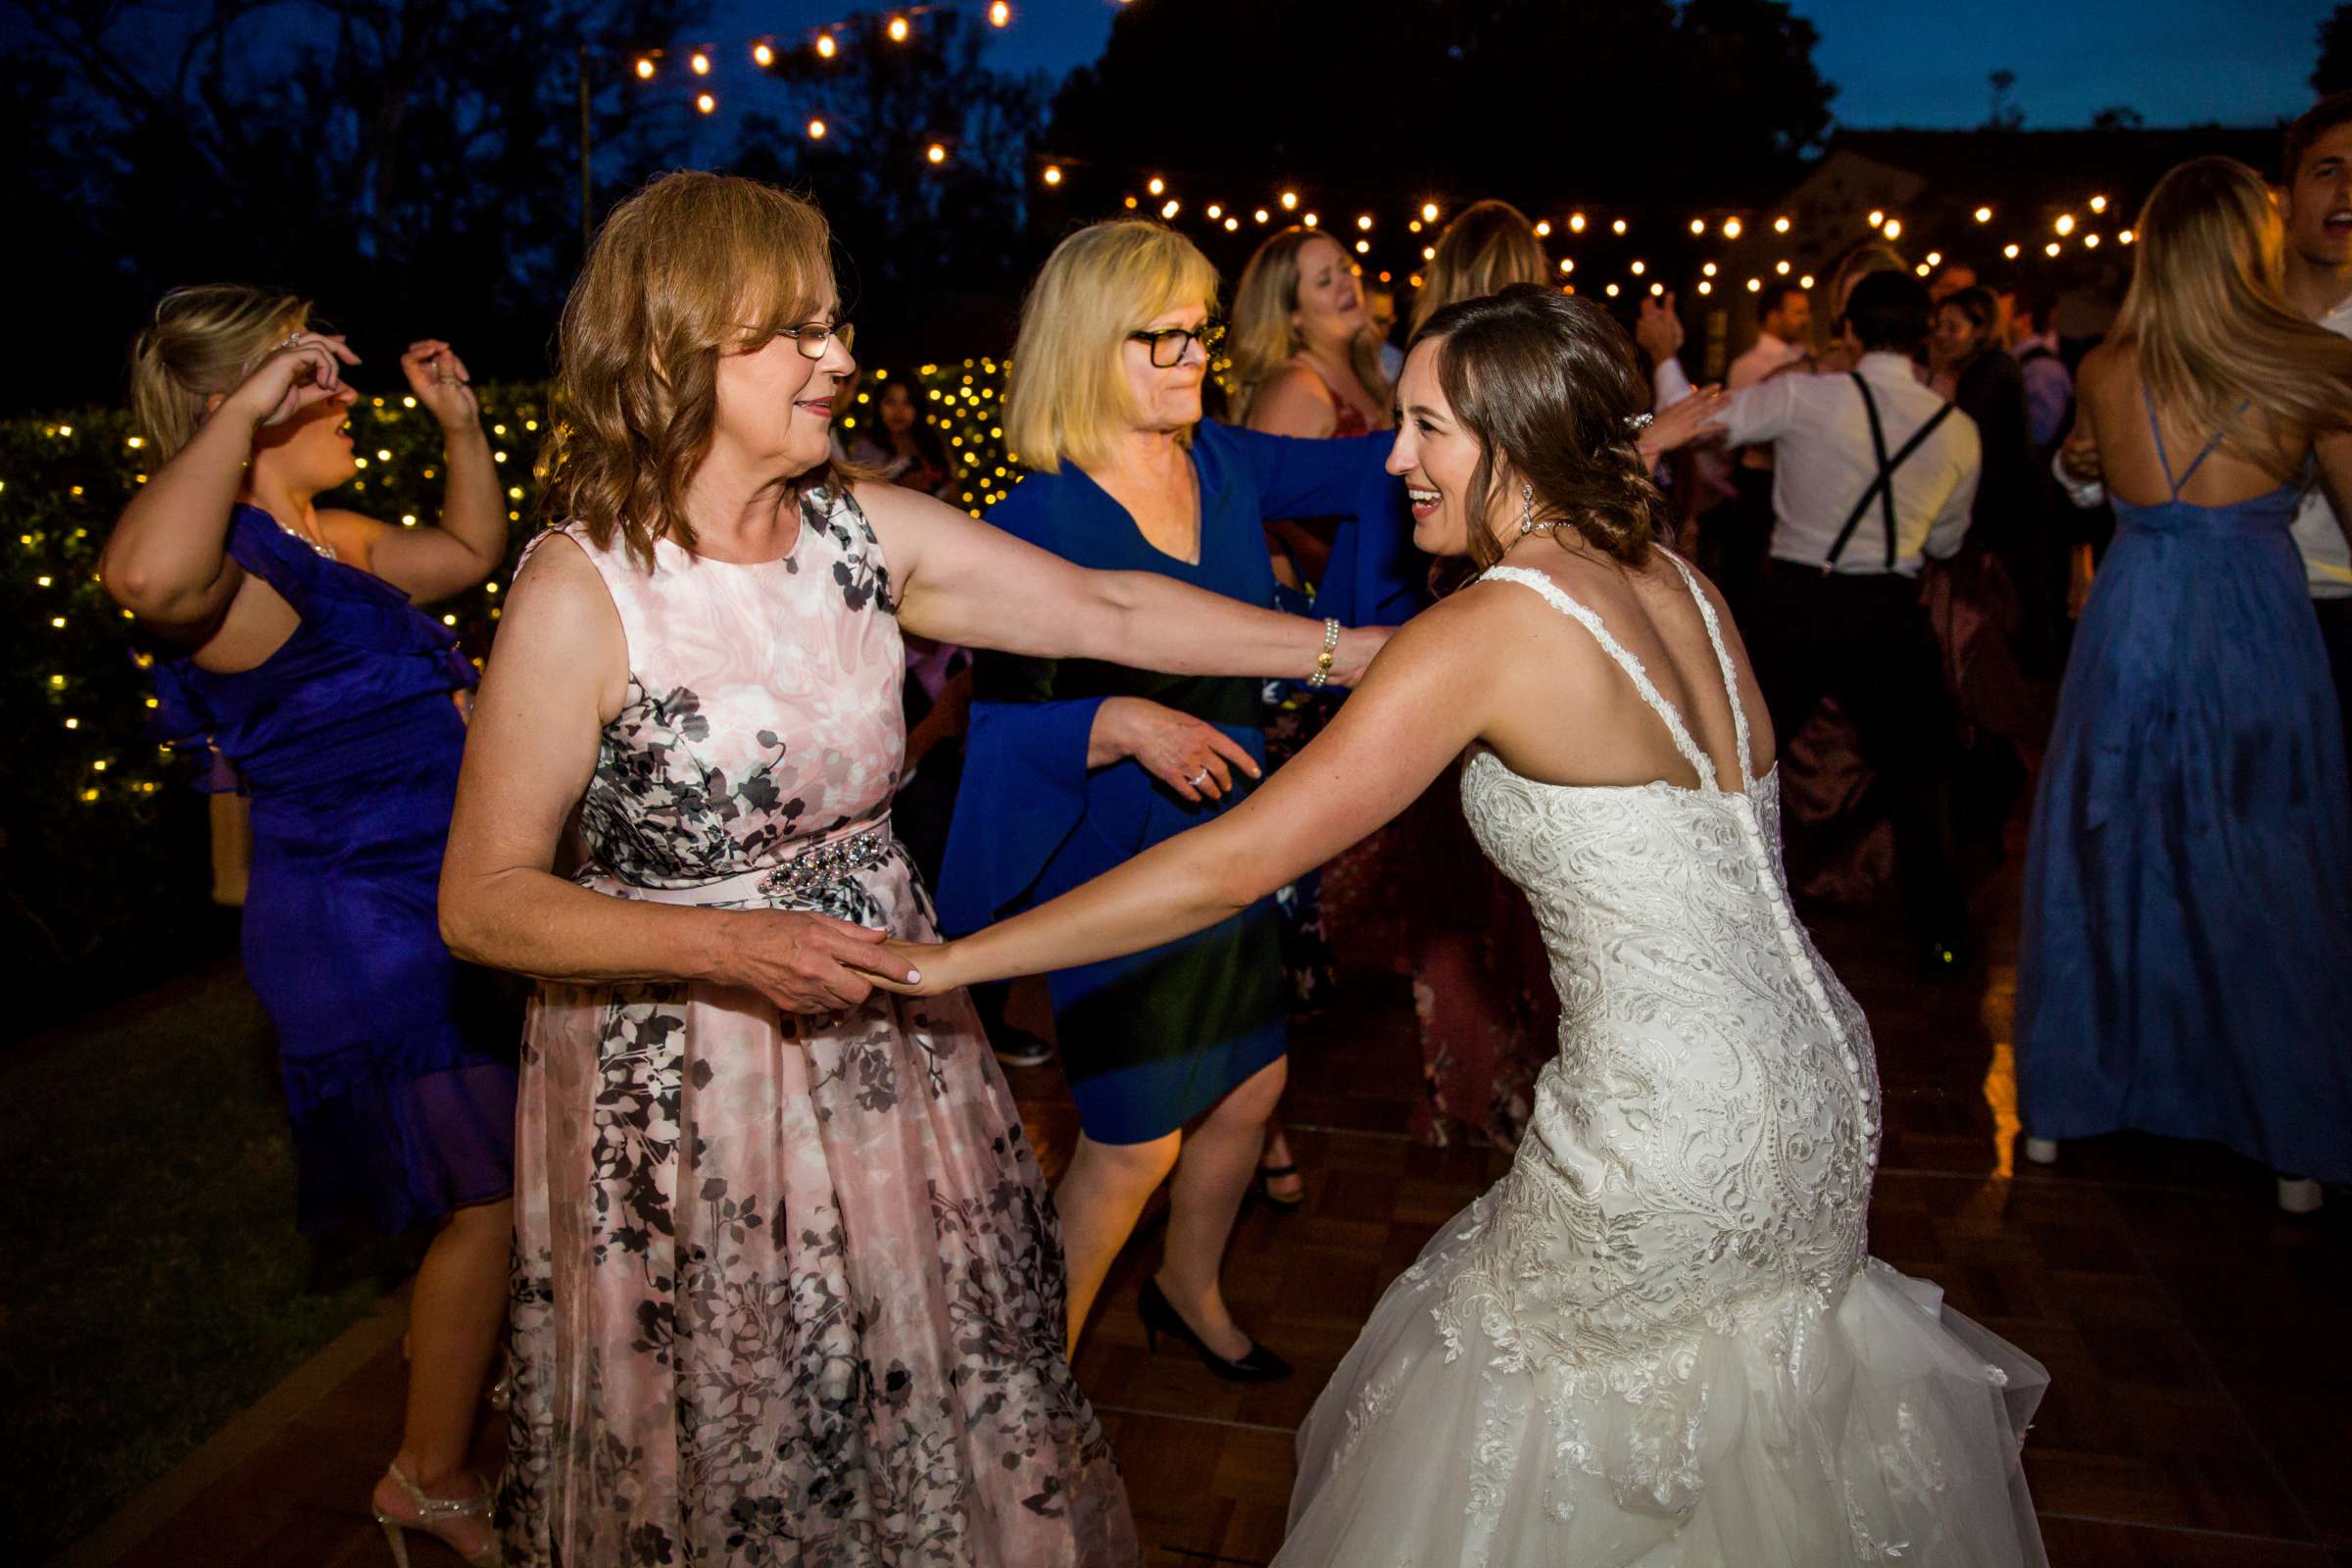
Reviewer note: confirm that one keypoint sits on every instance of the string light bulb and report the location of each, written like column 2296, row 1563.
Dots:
column 1656, row 289
column 827, row 48
column 763, row 56
column 1876, row 218
column 2124, row 238
column 700, row 62
column 645, row 69
column 2009, row 251
column 1232, row 224
column 2098, row 204
column 1730, row 228
column 1780, row 226
column 1805, row 281
column 1157, row 186
column 1892, row 228
column 1290, row 201
column 1639, row 267
column 1429, row 211
column 1611, row 291
column 897, row 29
column 1576, row 223
column 1781, row 266
column 999, row 14
column 2065, row 224
column 1698, row 225
column 2051, row 249
column 1707, row 270
column 1705, row 288
column 1618, row 227
column 1053, row 175
column 1544, row 228
column 705, row 104
column 1756, row 285
column 2090, row 242
column 936, row 153
column 1984, row 215
column 1363, row 247
column 1363, row 221
column 1311, row 220
column 1934, row 257
column 1261, row 215
column 1170, row 208
column 817, row 127
column 1567, row 264
column 1215, row 211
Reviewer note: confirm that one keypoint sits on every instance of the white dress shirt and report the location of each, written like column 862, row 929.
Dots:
column 1759, row 361
column 2327, row 558
column 1823, row 461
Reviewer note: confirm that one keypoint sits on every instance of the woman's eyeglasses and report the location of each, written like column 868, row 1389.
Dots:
column 1168, row 343
column 812, row 338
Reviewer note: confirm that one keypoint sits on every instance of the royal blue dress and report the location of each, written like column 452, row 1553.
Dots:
column 1151, row 1040
column 2186, row 962
column 398, row 1060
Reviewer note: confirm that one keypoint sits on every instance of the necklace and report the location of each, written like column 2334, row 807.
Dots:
column 323, row 549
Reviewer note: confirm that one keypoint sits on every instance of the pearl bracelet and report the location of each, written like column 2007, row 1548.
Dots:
column 1331, row 643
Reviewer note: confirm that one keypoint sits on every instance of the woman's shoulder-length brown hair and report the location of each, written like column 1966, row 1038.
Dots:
column 687, row 269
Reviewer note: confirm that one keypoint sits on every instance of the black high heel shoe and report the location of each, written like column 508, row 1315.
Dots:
column 1262, row 1188
column 1260, row 1365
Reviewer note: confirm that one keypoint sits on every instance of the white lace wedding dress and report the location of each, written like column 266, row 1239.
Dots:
column 1659, row 1340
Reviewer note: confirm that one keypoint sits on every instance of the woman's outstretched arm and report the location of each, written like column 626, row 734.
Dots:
column 1428, row 699
column 962, row 581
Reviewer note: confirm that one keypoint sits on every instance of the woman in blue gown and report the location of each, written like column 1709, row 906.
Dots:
column 332, row 700
column 2186, row 961
column 1175, row 1057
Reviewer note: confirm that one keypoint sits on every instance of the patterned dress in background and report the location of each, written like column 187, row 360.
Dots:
column 787, row 1291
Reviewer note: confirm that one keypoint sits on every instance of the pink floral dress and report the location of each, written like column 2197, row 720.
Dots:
column 786, row 1291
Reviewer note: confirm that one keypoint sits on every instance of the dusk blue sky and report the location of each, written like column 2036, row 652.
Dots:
column 1896, row 62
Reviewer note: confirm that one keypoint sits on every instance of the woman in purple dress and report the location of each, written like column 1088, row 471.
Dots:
column 307, row 669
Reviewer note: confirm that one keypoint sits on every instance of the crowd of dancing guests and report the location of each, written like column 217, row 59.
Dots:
column 750, row 1219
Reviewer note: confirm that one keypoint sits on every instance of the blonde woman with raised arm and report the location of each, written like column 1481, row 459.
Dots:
column 330, row 700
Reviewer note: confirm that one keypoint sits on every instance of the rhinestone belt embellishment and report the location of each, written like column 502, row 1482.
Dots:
column 803, row 875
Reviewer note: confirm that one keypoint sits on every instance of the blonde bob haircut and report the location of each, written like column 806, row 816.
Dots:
column 692, row 267
column 1488, row 247
column 203, row 342
column 1068, row 398
column 2208, row 319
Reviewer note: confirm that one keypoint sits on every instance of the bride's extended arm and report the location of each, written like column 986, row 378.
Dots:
column 962, row 581
column 1425, row 702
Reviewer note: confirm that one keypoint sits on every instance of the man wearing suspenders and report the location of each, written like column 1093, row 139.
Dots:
column 1872, row 474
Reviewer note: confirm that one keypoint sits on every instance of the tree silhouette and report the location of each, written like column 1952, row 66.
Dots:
column 2333, row 72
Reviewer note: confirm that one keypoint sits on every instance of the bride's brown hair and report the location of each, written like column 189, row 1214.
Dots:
column 1550, row 388
column 691, row 266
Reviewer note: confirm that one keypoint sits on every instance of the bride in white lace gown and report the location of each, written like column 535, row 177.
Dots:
column 1660, row 1341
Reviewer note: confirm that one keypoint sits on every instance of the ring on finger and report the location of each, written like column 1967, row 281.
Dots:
column 1199, row 779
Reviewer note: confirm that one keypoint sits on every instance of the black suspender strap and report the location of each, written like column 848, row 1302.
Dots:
column 1882, row 488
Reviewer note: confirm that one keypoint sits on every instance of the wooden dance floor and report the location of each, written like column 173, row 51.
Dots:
column 2201, row 1344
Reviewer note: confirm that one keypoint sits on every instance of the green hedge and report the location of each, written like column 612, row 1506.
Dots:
column 102, row 845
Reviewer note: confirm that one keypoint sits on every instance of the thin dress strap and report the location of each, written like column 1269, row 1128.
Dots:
column 1723, row 662
column 2198, row 461
column 1624, row 658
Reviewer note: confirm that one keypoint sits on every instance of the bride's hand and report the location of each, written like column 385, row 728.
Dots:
column 909, row 968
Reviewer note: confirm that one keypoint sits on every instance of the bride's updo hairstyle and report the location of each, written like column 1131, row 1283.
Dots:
column 689, row 268
column 1549, row 387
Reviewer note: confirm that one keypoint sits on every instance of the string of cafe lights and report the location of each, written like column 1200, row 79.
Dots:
column 822, row 42
column 1286, row 204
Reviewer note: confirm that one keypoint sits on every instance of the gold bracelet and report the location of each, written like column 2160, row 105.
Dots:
column 1331, row 643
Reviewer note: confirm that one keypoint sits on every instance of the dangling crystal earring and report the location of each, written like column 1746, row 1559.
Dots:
column 1526, row 510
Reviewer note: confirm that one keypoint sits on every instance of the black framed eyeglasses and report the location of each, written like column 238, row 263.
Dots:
column 1168, row 343
column 812, row 338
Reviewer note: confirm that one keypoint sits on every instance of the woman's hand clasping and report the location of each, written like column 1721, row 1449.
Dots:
column 801, row 962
